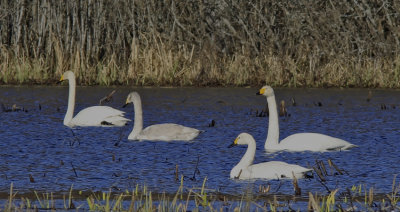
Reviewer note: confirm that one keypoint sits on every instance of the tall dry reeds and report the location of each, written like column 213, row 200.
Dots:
column 172, row 42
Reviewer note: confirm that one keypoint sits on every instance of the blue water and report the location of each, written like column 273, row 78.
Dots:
column 37, row 143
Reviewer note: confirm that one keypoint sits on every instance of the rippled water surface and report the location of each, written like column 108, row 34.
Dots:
column 37, row 143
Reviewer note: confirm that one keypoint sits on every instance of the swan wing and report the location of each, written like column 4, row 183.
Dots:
column 274, row 170
column 98, row 116
column 168, row 132
column 313, row 142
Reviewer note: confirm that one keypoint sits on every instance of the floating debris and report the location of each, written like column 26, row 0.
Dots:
column 263, row 113
column 282, row 109
column 196, row 169
column 293, row 101
column 331, row 164
column 264, row 189
column 14, row 108
column 212, row 124
column 73, row 168
column 221, row 102
column 107, row 98
column 369, row 96
column 176, row 172
column 319, row 104
column 184, row 99
column 318, row 169
column 31, row 179
column 297, row 189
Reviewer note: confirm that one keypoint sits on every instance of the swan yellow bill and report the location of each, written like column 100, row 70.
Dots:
column 62, row 78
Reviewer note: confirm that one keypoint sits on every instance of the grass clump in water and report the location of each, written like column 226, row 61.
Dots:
column 355, row 198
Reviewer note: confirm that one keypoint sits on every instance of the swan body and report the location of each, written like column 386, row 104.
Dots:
column 159, row 132
column 245, row 169
column 91, row 116
column 298, row 142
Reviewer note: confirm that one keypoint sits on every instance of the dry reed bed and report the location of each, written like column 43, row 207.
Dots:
column 183, row 43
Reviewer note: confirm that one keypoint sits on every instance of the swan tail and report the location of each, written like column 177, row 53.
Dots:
column 350, row 146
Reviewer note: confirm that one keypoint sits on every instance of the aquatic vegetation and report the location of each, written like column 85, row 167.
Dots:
column 356, row 198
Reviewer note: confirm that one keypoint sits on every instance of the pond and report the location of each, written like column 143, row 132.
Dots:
column 37, row 152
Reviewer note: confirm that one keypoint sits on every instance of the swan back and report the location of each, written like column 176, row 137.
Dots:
column 168, row 132
column 275, row 170
column 313, row 142
column 99, row 116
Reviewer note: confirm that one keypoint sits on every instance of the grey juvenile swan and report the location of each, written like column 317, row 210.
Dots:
column 159, row 132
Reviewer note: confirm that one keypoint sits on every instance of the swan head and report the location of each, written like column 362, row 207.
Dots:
column 242, row 139
column 68, row 75
column 266, row 91
column 131, row 97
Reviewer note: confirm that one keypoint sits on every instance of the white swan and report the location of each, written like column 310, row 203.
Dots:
column 91, row 116
column 159, row 132
column 245, row 169
column 300, row 141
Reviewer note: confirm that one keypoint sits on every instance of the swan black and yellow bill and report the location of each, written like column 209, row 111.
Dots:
column 234, row 143
column 126, row 103
column 261, row 91
column 61, row 79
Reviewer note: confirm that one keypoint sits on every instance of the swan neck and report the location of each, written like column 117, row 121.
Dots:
column 248, row 157
column 138, row 122
column 273, row 123
column 71, row 101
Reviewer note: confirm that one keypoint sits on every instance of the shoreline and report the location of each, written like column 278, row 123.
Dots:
column 198, row 198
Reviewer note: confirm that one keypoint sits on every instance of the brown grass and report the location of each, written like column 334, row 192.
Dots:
column 195, row 43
